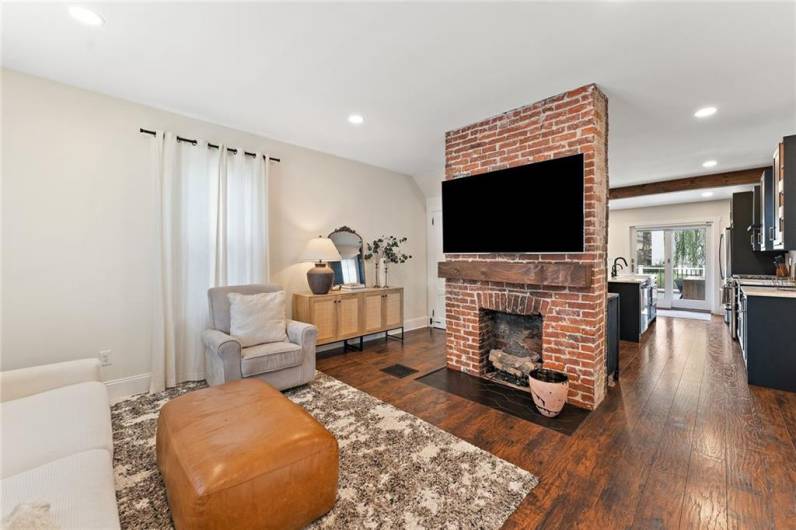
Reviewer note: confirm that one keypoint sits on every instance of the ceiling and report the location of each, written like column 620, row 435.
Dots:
column 294, row 72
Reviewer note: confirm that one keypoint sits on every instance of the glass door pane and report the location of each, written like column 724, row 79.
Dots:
column 650, row 246
column 689, row 268
column 679, row 260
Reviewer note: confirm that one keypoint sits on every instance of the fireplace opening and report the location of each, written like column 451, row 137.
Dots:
column 511, row 345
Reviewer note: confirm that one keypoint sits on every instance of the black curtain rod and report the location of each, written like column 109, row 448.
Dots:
column 213, row 146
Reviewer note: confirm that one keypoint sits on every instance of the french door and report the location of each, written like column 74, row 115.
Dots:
column 679, row 259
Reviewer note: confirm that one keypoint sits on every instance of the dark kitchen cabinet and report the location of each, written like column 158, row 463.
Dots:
column 767, row 207
column 784, row 188
column 755, row 230
column 743, row 258
column 768, row 341
column 637, row 308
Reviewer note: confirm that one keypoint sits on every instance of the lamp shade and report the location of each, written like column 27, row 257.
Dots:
column 320, row 249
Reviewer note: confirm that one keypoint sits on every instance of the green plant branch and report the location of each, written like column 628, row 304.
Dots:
column 387, row 248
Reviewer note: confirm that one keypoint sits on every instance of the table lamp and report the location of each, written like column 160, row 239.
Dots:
column 320, row 250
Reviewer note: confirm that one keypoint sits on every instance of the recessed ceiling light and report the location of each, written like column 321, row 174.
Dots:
column 356, row 119
column 709, row 163
column 704, row 112
column 707, row 194
column 85, row 16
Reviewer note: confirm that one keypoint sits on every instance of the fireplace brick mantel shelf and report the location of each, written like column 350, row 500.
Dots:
column 569, row 290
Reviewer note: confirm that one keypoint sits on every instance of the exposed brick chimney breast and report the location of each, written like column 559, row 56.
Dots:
column 573, row 336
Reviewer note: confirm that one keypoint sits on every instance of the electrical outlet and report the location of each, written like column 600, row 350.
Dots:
column 105, row 357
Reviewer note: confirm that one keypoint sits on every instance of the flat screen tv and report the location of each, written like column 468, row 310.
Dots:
column 532, row 208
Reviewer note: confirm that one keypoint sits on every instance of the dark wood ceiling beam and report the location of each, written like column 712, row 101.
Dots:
column 715, row 180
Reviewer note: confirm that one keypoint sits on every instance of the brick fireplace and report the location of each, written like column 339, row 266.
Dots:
column 568, row 291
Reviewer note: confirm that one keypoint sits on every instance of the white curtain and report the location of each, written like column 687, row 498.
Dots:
column 212, row 229
column 240, row 205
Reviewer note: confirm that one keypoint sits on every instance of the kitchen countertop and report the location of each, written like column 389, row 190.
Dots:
column 772, row 282
column 768, row 291
column 630, row 279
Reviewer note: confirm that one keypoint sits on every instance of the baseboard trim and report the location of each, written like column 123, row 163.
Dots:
column 416, row 323
column 124, row 387
column 409, row 325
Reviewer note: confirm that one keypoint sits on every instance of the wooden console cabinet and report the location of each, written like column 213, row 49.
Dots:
column 343, row 315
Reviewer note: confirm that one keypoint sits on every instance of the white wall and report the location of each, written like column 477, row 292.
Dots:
column 620, row 221
column 431, row 184
column 77, row 208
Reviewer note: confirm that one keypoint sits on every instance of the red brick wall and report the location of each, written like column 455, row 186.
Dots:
column 574, row 319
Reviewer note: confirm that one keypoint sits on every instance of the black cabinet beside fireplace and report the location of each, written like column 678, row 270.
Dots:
column 612, row 336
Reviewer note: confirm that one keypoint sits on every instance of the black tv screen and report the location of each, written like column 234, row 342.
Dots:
column 532, row 208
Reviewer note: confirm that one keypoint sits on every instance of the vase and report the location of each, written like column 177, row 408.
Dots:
column 381, row 273
column 549, row 390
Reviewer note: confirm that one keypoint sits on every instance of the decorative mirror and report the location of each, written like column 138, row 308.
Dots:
column 352, row 267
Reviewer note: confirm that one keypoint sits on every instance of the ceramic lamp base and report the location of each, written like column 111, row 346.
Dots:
column 320, row 278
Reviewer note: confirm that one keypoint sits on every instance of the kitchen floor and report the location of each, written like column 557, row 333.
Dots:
column 679, row 313
column 680, row 441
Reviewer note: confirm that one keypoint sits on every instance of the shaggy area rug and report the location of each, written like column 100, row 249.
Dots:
column 396, row 470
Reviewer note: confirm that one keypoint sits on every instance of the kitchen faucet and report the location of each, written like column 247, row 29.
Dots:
column 613, row 269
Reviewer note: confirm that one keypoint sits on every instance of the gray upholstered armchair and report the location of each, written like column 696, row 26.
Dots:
column 280, row 364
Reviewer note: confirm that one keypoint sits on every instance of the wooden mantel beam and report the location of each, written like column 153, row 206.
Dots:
column 716, row 180
column 576, row 275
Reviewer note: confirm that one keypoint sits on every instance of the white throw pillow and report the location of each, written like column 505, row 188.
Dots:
column 257, row 318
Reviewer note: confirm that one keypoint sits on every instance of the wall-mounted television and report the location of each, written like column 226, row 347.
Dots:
column 532, row 208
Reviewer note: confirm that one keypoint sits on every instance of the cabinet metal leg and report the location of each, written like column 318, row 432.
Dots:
column 347, row 346
column 361, row 347
column 387, row 335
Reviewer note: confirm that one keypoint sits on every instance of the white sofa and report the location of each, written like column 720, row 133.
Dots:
column 57, row 443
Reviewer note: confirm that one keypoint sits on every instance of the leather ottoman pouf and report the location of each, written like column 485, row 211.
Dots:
column 242, row 455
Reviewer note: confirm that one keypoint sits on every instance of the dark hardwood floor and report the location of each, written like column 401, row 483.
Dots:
column 680, row 442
